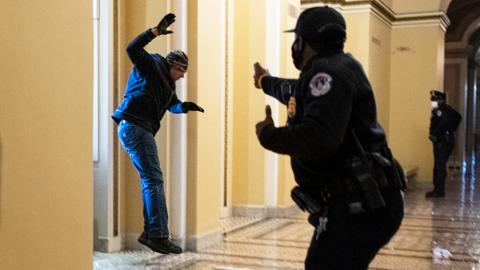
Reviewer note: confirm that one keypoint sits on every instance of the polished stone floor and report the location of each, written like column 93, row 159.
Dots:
column 441, row 233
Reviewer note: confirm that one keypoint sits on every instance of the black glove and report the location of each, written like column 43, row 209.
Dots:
column 432, row 138
column 267, row 122
column 190, row 106
column 165, row 23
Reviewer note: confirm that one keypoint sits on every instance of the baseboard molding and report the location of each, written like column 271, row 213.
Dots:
column 201, row 242
column 132, row 243
column 283, row 211
column 110, row 244
column 266, row 212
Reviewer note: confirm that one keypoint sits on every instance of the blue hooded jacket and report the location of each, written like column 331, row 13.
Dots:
column 150, row 90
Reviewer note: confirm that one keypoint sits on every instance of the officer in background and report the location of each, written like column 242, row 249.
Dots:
column 339, row 154
column 443, row 123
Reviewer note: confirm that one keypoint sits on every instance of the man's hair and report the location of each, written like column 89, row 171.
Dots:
column 179, row 58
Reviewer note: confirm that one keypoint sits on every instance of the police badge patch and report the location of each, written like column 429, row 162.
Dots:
column 320, row 84
column 439, row 113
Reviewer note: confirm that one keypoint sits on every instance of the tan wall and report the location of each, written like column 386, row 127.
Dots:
column 286, row 179
column 416, row 60
column 379, row 68
column 249, row 103
column 358, row 37
column 46, row 199
column 371, row 47
column 240, row 99
column 250, row 43
column 205, row 86
column 412, row 6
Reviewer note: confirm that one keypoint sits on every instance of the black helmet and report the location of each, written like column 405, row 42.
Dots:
column 179, row 58
column 316, row 21
column 436, row 95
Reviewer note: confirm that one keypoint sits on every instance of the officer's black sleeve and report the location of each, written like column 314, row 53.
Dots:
column 432, row 125
column 454, row 119
column 279, row 88
column 136, row 52
column 322, row 129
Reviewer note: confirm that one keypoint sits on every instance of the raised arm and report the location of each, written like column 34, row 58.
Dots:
column 135, row 50
column 279, row 88
column 321, row 131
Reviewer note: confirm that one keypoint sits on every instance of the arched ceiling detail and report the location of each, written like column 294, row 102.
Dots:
column 464, row 19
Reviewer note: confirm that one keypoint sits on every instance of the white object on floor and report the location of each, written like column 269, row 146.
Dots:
column 440, row 253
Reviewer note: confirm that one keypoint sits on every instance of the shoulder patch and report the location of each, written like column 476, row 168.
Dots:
column 320, row 84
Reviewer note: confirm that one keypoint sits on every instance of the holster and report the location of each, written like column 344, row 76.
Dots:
column 305, row 201
column 364, row 183
column 371, row 172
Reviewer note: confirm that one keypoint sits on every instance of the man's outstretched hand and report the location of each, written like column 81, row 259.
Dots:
column 190, row 106
column 165, row 23
column 267, row 122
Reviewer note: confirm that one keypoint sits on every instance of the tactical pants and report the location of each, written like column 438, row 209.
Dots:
column 441, row 153
column 351, row 241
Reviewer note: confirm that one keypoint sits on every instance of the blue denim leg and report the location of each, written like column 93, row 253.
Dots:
column 140, row 146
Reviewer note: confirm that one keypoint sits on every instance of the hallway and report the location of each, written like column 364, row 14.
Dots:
column 432, row 226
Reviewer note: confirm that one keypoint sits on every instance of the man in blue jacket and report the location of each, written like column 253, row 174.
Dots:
column 150, row 92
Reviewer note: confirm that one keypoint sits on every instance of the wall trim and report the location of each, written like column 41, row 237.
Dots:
column 203, row 241
column 265, row 212
column 110, row 244
column 383, row 11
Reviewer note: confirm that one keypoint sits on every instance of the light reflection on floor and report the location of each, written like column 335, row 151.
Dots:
column 448, row 226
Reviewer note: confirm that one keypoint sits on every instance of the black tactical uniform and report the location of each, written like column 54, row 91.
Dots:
column 331, row 107
column 443, row 123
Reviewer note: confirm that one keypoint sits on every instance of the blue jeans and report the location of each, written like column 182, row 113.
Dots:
column 140, row 146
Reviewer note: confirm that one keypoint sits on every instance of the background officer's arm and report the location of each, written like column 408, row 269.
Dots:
column 321, row 132
column 279, row 88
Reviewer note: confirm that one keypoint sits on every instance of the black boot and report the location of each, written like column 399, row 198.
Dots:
column 160, row 245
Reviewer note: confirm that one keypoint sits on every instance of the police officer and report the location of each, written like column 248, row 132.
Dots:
column 149, row 94
column 443, row 123
column 332, row 117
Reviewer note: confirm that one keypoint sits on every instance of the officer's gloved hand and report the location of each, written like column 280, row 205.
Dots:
column 190, row 106
column 432, row 138
column 259, row 73
column 165, row 23
column 267, row 122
